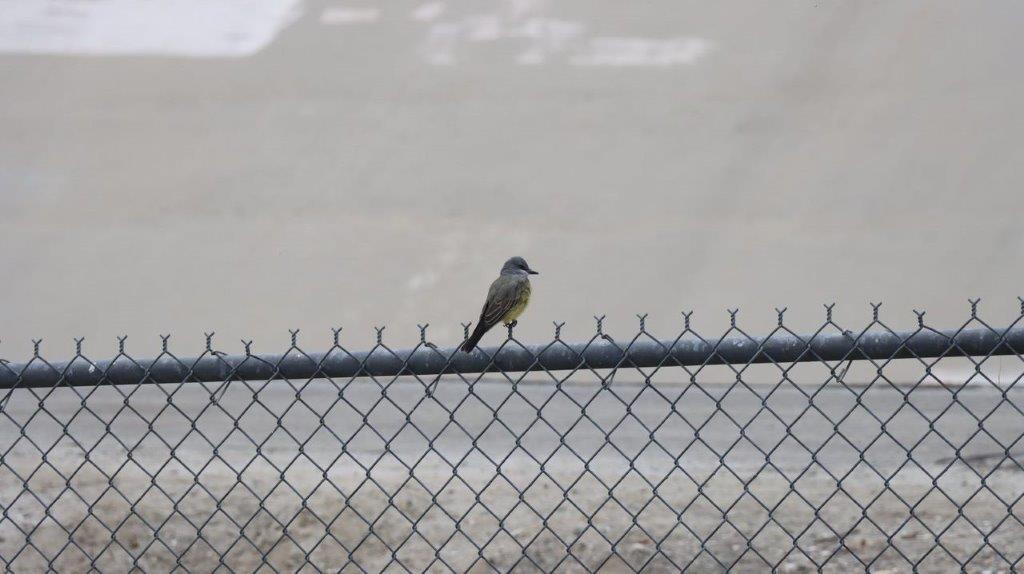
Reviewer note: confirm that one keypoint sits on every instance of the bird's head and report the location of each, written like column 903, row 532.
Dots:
column 517, row 266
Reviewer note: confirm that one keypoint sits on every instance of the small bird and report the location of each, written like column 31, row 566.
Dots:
column 506, row 300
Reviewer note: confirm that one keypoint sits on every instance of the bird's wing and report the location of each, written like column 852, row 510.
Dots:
column 501, row 297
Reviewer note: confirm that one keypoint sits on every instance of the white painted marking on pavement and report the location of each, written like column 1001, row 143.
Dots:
column 191, row 28
column 428, row 12
column 348, row 15
column 641, row 52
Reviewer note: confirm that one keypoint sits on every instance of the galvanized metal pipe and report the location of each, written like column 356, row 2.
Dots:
column 600, row 354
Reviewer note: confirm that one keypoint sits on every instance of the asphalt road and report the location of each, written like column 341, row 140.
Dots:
column 488, row 420
column 323, row 163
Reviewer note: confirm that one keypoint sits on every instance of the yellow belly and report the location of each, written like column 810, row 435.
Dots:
column 518, row 308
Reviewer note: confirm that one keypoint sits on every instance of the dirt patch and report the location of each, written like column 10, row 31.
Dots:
column 564, row 517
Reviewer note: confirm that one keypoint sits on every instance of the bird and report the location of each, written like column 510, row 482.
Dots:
column 506, row 300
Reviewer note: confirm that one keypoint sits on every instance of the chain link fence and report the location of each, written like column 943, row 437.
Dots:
column 838, row 450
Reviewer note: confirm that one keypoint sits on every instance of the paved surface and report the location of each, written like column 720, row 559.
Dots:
column 539, row 415
column 374, row 163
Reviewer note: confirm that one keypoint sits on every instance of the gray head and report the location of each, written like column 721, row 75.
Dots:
column 517, row 266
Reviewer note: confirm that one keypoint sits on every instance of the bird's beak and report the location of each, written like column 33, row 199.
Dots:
column 531, row 272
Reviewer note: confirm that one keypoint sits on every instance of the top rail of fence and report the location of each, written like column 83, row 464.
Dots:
column 600, row 352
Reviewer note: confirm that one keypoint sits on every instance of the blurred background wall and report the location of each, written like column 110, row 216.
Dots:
column 249, row 167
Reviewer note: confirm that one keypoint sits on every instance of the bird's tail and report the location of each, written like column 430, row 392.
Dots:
column 469, row 344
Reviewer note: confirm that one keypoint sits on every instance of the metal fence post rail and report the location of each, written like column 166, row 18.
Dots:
column 734, row 452
column 597, row 354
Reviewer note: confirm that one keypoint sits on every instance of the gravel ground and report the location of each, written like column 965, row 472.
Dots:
column 243, row 534
column 408, row 512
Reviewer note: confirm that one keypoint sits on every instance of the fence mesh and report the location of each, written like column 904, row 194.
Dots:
column 880, row 464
